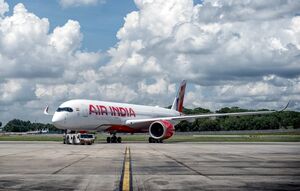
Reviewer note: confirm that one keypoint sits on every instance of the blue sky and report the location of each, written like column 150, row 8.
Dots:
column 99, row 23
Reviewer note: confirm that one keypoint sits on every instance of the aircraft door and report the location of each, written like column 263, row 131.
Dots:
column 84, row 111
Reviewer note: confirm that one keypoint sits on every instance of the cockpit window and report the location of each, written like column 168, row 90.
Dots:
column 67, row 109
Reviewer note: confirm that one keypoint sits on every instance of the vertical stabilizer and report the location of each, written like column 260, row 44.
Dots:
column 178, row 101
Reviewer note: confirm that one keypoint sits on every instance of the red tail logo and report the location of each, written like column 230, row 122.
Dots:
column 178, row 102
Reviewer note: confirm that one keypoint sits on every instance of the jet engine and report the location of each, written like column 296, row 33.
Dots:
column 160, row 130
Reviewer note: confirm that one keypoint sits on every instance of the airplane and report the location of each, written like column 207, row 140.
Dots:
column 112, row 117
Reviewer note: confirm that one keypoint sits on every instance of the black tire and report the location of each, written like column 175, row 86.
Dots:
column 74, row 142
column 108, row 140
column 160, row 141
column 113, row 139
column 68, row 139
column 150, row 140
column 119, row 139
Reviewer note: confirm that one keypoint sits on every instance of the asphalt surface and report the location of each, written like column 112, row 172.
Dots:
column 176, row 166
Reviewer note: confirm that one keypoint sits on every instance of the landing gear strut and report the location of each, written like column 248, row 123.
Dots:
column 114, row 139
column 152, row 140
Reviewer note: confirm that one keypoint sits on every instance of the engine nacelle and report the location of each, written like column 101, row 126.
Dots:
column 161, row 129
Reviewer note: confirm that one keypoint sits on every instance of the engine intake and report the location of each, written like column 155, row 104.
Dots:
column 161, row 129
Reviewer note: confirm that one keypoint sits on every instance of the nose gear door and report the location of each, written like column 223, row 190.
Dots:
column 65, row 118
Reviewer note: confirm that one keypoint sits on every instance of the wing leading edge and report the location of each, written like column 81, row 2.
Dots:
column 189, row 117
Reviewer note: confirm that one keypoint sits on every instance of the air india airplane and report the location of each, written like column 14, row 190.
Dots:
column 112, row 117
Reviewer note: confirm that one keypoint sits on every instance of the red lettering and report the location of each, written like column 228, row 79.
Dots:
column 115, row 109
column 110, row 110
column 127, row 114
column 122, row 111
column 131, row 112
column 98, row 113
column 103, row 109
column 93, row 109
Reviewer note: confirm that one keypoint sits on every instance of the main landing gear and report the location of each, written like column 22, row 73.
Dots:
column 114, row 139
column 152, row 140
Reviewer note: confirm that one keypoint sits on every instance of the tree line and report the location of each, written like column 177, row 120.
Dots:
column 277, row 120
column 17, row 125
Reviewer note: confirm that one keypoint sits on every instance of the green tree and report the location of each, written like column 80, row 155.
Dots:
column 17, row 125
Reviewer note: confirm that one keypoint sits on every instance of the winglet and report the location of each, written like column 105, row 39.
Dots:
column 287, row 105
column 46, row 110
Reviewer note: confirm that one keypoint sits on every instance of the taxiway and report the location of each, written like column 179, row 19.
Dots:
column 176, row 166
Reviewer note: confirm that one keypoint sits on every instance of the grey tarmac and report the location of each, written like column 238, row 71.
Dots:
column 172, row 166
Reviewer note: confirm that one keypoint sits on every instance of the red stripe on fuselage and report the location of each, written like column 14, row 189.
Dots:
column 122, row 129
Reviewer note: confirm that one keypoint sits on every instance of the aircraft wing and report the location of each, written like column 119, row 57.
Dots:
column 191, row 117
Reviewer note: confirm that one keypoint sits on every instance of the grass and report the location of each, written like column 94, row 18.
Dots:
column 30, row 138
column 244, row 138
column 273, row 137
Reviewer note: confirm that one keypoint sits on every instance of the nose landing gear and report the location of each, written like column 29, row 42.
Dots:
column 114, row 139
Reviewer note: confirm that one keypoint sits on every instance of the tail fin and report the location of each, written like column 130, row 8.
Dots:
column 178, row 101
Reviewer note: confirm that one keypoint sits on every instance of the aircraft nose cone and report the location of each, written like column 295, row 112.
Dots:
column 58, row 120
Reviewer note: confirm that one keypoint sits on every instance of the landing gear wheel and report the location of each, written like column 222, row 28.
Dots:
column 150, row 140
column 113, row 139
column 74, row 141
column 119, row 139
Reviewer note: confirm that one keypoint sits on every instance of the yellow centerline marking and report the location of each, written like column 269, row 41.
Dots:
column 126, row 178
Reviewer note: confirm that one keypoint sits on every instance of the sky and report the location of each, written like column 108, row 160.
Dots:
column 232, row 53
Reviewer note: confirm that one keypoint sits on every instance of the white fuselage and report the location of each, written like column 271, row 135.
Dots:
column 84, row 114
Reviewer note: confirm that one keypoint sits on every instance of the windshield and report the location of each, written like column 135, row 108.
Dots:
column 85, row 136
column 67, row 109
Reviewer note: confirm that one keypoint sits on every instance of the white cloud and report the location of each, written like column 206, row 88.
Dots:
column 77, row 3
column 32, row 57
column 4, row 7
column 216, row 44
column 233, row 53
column 66, row 38
column 27, row 50
column 159, row 88
column 16, row 90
